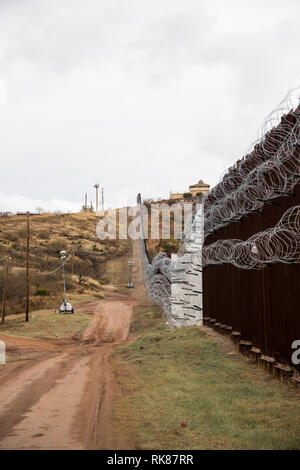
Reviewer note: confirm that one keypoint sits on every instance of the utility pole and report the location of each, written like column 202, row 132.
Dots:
column 96, row 186
column 4, row 293
column 27, row 271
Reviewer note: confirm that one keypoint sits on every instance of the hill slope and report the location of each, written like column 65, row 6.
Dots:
column 49, row 234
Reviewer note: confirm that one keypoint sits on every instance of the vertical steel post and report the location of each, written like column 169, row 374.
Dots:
column 64, row 277
column 27, row 271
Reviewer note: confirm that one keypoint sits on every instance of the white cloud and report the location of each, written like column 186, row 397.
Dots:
column 19, row 203
column 141, row 96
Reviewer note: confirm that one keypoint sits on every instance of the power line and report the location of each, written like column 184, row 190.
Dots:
column 59, row 267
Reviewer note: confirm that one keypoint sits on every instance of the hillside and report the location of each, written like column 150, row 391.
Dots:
column 49, row 234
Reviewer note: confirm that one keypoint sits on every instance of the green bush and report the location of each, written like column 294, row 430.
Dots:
column 102, row 283
column 41, row 291
column 187, row 196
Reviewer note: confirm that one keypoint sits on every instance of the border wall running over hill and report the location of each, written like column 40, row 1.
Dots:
column 251, row 253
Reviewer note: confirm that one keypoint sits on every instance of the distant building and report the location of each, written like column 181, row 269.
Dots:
column 176, row 196
column 194, row 189
column 200, row 187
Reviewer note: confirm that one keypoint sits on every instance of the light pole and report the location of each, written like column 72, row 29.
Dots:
column 63, row 257
column 96, row 186
column 130, row 267
column 66, row 307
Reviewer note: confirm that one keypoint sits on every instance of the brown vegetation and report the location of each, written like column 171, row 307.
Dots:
column 51, row 233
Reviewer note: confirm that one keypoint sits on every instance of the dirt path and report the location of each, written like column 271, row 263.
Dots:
column 110, row 323
column 64, row 400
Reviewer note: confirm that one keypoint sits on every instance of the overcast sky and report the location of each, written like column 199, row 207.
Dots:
column 140, row 95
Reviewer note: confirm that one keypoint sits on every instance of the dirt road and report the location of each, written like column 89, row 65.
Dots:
column 64, row 400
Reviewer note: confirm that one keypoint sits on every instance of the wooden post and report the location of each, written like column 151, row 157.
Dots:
column 4, row 293
column 27, row 271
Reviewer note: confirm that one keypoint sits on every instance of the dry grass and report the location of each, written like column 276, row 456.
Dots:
column 169, row 376
column 43, row 325
column 50, row 233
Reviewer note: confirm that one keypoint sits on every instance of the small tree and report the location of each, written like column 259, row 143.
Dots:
column 81, row 269
column 187, row 196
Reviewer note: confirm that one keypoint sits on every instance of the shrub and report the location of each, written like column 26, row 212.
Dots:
column 44, row 235
column 41, row 291
column 102, row 283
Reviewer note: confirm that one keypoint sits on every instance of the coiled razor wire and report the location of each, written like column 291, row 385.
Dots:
column 173, row 284
column 280, row 244
column 269, row 170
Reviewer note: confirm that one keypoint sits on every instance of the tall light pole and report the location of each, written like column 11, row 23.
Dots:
column 63, row 257
column 66, row 307
column 96, row 186
column 130, row 267
column 102, row 193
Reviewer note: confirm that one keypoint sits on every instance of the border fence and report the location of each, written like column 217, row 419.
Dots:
column 251, row 254
column 250, row 257
column 260, row 307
